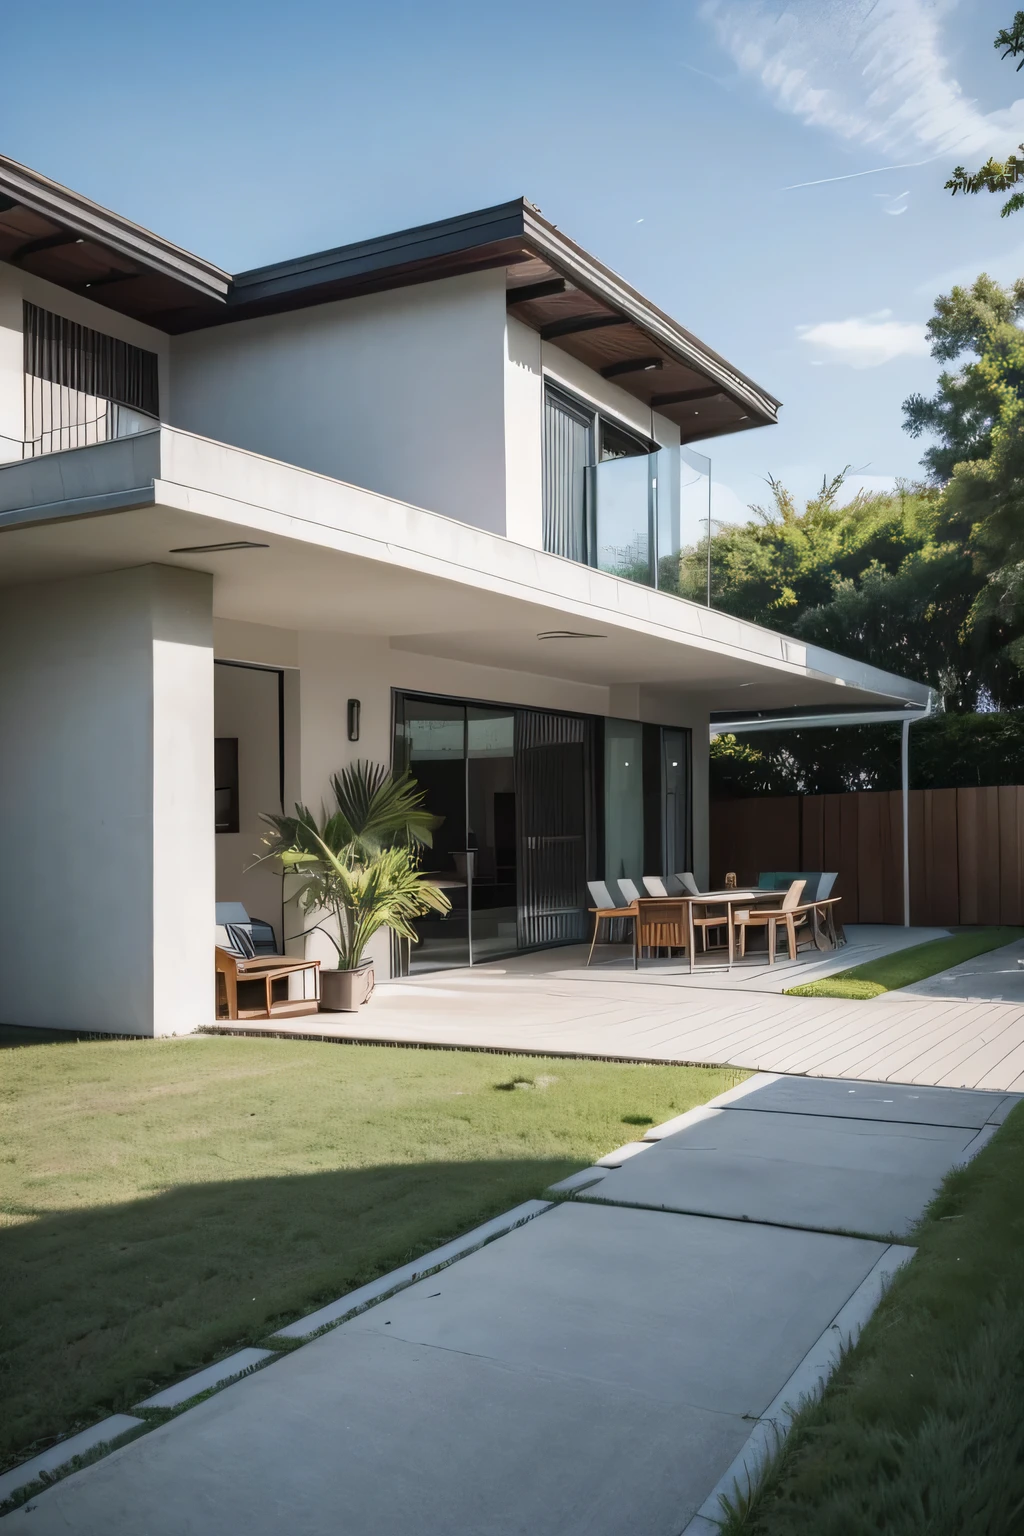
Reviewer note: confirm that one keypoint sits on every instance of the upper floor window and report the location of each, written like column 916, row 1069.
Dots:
column 611, row 496
column 81, row 386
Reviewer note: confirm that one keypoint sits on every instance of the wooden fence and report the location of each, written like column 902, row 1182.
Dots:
column 966, row 850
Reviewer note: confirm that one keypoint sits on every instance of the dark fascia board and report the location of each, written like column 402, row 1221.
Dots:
column 368, row 260
column 93, row 222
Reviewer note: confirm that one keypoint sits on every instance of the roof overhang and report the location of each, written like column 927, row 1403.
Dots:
column 305, row 552
column 552, row 285
column 59, row 235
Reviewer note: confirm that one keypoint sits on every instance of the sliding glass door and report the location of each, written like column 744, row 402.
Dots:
column 513, row 787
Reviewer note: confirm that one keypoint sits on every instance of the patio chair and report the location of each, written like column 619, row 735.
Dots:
column 710, row 919
column 607, row 910
column 660, row 925
column 788, row 912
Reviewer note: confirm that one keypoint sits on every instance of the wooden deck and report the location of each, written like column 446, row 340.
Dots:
column 621, row 1016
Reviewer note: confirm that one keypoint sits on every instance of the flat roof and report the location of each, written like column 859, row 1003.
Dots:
column 432, row 586
column 552, row 285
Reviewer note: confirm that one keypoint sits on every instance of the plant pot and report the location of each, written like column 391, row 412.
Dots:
column 346, row 991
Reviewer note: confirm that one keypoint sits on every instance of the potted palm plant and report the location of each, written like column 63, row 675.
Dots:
column 356, row 870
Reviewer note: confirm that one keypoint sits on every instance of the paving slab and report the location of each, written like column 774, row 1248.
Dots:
column 640, row 1301
column 589, row 1374
column 813, row 1171
column 869, row 1101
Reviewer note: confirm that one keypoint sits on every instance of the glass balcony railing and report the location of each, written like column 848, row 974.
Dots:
column 637, row 516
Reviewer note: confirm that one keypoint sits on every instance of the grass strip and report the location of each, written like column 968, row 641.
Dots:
column 891, row 972
column 918, row 1432
column 165, row 1203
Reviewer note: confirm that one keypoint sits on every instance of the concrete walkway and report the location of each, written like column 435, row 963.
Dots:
column 997, row 977
column 605, row 1368
column 549, row 1003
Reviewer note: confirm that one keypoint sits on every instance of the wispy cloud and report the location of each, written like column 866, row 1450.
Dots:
column 865, row 341
column 873, row 72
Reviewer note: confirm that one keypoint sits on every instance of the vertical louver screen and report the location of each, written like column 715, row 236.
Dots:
column 568, row 456
column 81, row 386
column 552, row 756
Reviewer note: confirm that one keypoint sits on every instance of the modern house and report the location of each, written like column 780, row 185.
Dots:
column 415, row 498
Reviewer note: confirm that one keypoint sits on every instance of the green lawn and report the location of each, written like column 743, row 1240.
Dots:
column 164, row 1202
column 919, row 1432
column 908, row 965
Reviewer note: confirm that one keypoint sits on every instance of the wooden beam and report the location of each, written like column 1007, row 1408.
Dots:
column 682, row 396
column 634, row 365
column 528, row 291
column 105, row 281
column 44, row 243
column 577, row 323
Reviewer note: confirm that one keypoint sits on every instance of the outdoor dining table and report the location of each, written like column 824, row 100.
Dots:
column 824, row 932
column 728, row 899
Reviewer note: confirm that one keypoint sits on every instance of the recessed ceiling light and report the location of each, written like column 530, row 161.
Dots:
column 208, row 549
column 568, row 634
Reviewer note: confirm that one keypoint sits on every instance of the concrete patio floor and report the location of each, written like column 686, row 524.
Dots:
column 604, row 1368
column 550, row 1004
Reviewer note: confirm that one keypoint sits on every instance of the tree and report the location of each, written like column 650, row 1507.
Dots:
column 977, row 325
column 888, row 579
column 998, row 175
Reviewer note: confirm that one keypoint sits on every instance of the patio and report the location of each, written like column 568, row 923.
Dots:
column 549, row 1003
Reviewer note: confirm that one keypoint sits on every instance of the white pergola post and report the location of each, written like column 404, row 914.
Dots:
column 905, row 783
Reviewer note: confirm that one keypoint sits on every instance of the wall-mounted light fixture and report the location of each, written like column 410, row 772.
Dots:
column 353, row 719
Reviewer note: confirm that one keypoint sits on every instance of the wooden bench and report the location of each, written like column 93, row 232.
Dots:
column 235, row 971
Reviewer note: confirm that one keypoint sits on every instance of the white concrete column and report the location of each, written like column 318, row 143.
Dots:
column 106, row 801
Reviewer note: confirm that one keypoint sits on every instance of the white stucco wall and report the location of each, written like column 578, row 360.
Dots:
column 401, row 392
column 524, row 428
column 106, row 794
column 15, row 286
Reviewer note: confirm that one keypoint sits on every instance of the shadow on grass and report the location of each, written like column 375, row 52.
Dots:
column 102, row 1306
column 23, row 1034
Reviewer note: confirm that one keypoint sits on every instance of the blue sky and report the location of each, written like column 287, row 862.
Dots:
column 666, row 138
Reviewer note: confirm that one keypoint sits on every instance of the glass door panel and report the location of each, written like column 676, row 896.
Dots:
column 624, row 801
column 431, row 743
column 491, row 840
